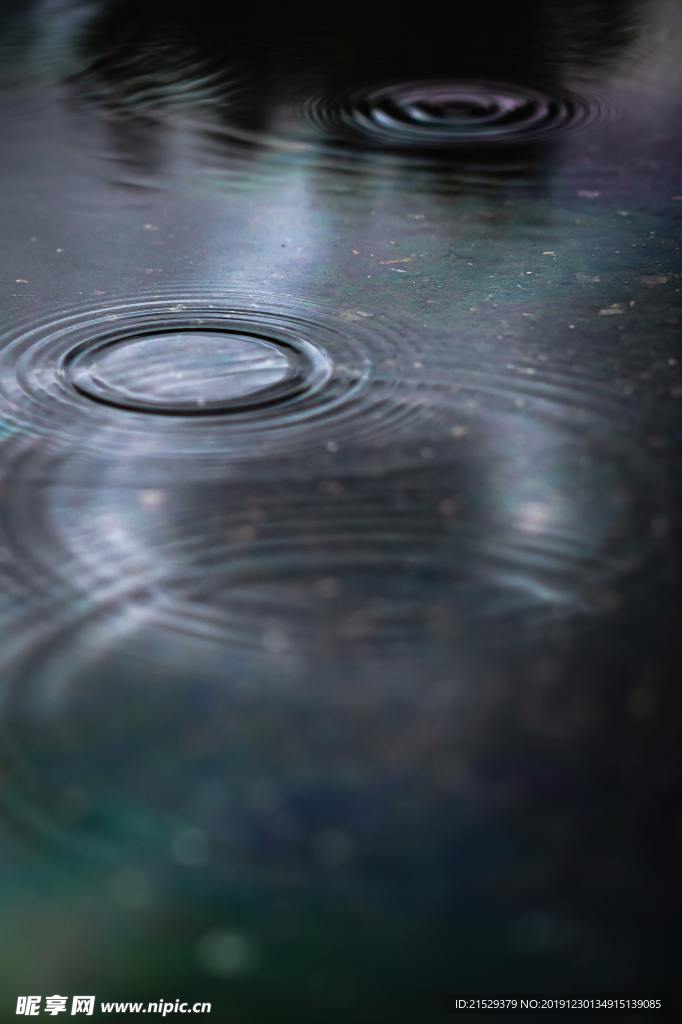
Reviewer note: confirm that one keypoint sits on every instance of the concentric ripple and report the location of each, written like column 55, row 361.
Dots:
column 191, row 372
column 450, row 113
column 204, row 377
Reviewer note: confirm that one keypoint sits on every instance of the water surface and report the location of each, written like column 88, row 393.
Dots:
column 339, row 456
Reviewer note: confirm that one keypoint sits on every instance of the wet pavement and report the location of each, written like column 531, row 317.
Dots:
column 339, row 551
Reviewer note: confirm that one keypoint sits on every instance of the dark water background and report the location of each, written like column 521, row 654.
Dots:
column 339, row 463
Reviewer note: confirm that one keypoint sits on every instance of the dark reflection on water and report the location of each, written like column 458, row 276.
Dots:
column 339, row 461
column 337, row 87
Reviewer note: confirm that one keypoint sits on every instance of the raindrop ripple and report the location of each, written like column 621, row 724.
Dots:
column 195, row 371
column 449, row 114
column 200, row 379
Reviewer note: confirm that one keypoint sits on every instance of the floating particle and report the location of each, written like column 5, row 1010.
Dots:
column 354, row 314
column 614, row 310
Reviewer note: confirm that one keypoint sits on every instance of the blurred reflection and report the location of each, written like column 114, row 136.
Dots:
column 483, row 102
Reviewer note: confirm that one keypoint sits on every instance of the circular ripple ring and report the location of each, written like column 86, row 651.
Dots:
column 214, row 369
column 201, row 377
column 452, row 114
